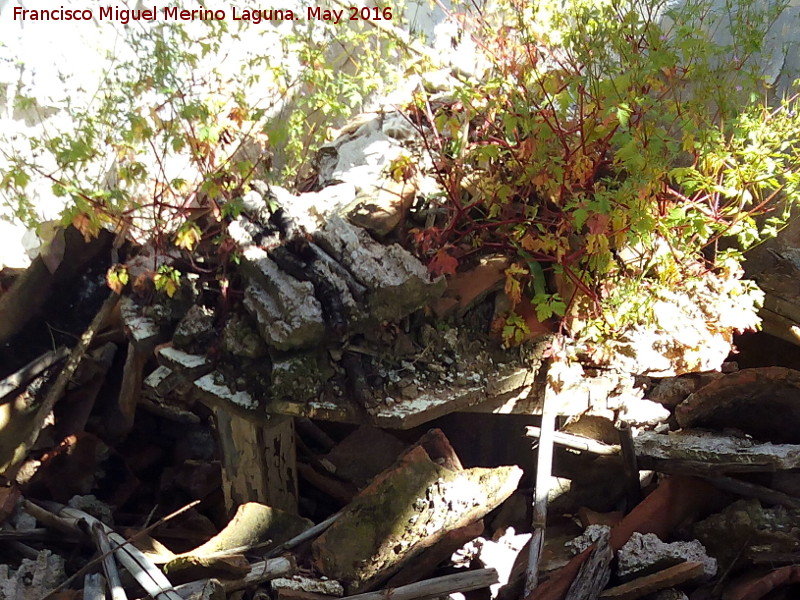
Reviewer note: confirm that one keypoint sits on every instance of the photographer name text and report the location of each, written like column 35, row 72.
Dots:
column 172, row 13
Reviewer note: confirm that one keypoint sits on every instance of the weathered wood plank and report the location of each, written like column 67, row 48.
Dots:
column 258, row 460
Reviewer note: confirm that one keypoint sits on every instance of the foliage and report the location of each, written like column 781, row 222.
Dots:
column 614, row 150
column 169, row 142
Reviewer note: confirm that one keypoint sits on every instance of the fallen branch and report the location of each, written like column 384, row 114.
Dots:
column 19, row 378
column 752, row 490
column 105, row 548
column 633, row 487
column 544, row 466
column 150, row 577
column 52, row 521
column 259, row 573
column 431, row 588
column 308, row 534
column 576, row 442
column 11, row 457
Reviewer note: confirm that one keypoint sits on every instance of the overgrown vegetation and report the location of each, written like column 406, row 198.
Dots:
column 182, row 121
column 614, row 150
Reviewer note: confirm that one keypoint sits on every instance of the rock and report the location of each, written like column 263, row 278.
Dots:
column 673, row 390
column 440, row 80
column 397, row 126
column 763, row 402
column 381, row 208
column 287, row 313
column 195, row 331
column 34, row 578
column 404, row 510
column 746, row 525
column 590, row 535
column 711, row 449
column 243, row 231
column 409, row 391
column 91, row 505
column 299, row 376
column 642, row 412
column 355, row 123
column 240, row 339
column 643, row 554
column 358, row 156
column 313, row 209
column 397, row 283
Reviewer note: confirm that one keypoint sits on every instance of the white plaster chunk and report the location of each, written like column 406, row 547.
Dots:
column 182, row 359
column 589, row 536
column 157, row 377
column 328, row 587
column 208, row 383
column 141, row 329
column 358, row 158
column 34, row 578
column 312, row 209
column 645, row 553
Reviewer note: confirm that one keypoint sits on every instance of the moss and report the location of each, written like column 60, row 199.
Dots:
column 299, row 376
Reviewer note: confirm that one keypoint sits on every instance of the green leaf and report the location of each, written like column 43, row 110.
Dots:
column 624, row 114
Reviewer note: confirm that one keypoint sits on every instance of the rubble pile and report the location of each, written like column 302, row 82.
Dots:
column 344, row 424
